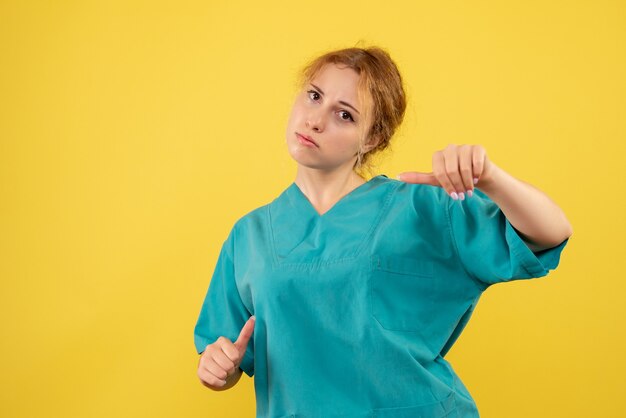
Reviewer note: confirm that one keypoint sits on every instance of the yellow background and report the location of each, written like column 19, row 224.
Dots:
column 134, row 134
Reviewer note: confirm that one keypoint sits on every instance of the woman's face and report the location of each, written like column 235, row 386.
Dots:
column 327, row 112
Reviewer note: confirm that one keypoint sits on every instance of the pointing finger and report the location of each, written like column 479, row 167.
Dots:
column 417, row 177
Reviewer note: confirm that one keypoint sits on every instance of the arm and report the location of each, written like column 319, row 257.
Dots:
column 540, row 222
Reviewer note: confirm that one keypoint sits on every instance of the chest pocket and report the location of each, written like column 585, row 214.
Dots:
column 403, row 292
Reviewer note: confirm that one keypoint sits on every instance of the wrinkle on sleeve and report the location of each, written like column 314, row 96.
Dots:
column 490, row 248
column 223, row 313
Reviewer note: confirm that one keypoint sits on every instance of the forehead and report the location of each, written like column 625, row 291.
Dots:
column 338, row 81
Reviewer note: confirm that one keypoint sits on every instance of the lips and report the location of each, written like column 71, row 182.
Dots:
column 308, row 138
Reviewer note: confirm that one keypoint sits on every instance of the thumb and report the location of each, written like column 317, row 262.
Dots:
column 417, row 177
column 245, row 334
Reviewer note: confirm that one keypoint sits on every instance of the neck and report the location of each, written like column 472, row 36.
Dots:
column 325, row 188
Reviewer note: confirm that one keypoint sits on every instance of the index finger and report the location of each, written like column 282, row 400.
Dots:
column 418, row 177
column 245, row 334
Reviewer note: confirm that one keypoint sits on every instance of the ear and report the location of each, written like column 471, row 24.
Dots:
column 370, row 144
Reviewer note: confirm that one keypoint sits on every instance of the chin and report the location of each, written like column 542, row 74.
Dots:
column 305, row 160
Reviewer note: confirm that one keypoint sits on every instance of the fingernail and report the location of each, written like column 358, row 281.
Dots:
column 469, row 193
column 462, row 196
column 475, row 180
column 454, row 196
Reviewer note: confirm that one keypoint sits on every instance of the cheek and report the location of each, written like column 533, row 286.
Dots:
column 350, row 140
column 342, row 146
column 295, row 115
column 349, row 147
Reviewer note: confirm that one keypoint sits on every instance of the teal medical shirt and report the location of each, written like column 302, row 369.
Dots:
column 356, row 308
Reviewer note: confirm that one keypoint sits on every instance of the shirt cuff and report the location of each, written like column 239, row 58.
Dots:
column 247, row 363
column 537, row 264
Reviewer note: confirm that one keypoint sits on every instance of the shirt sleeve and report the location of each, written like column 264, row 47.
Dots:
column 223, row 312
column 490, row 248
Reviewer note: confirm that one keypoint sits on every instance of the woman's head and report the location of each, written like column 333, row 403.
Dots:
column 365, row 78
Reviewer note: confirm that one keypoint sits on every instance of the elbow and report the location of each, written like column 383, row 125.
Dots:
column 564, row 235
column 569, row 231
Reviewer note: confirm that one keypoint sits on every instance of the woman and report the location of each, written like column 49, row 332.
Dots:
column 342, row 296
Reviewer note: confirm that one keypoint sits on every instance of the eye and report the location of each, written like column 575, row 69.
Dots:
column 314, row 92
column 346, row 113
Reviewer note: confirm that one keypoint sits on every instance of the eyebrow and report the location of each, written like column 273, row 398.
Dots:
column 342, row 102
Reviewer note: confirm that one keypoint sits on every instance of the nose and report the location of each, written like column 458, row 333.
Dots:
column 315, row 121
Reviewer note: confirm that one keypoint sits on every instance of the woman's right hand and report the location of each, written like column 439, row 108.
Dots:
column 218, row 368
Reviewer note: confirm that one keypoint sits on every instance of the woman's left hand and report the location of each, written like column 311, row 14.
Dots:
column 456, row 168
